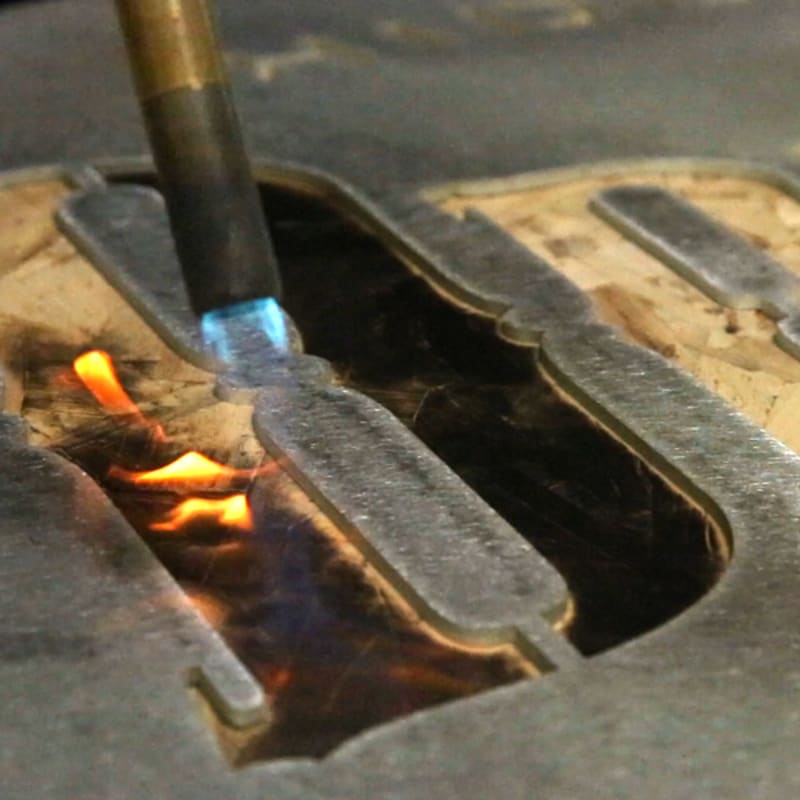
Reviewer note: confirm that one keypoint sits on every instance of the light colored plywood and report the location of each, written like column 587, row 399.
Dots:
column 51, row 293
column 731, row 352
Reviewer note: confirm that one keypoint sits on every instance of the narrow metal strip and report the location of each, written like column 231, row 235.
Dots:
column 720, row 263
column 124, row 230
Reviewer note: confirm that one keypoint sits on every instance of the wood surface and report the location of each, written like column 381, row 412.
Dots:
column 49, row 293
column 731, row 352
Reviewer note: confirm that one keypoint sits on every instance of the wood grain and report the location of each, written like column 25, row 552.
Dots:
column 50, row 293
column 731, row 352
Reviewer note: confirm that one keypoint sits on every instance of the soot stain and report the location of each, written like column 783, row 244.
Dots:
column 335, row 652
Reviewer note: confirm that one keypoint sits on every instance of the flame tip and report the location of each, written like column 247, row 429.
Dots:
column 96, row 370
column 233, row 511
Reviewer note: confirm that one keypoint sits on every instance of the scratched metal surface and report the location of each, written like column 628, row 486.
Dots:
column 720, row 263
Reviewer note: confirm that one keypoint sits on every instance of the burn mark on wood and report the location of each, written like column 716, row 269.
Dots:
column 336, row 648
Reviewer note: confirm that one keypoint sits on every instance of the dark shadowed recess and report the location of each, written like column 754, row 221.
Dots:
column 336, row 651
column 633, row 551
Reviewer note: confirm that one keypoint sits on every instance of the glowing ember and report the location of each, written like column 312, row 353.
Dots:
column 96, row 370
column 277, row 679
column 232, row 512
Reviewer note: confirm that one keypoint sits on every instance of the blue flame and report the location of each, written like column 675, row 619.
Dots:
column 273, row 323
column 264, row 315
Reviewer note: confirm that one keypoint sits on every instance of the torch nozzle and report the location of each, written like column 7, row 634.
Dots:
column 222, row 328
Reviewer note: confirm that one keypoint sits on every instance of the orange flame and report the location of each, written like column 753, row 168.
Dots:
column 96, row 369
column 193, row 470
column 97, row 372
column 191, row 467
column 233, row 512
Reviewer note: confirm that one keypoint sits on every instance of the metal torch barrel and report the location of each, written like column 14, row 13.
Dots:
column 213, row 203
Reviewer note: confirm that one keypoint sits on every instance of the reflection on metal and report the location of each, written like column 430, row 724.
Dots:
column 720, row 263
column 90, row 590
column 172, row 45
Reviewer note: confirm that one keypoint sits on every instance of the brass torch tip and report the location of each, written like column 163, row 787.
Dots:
column 172, row 45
